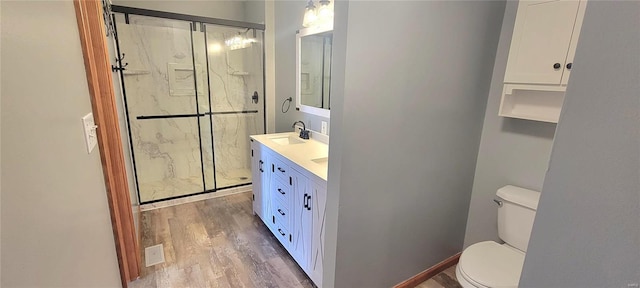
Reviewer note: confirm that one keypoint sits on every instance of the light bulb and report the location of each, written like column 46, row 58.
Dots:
column 310, row 16
column 325, row 13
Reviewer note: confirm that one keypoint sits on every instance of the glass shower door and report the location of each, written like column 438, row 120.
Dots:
column 162, row 105
column 236, row 92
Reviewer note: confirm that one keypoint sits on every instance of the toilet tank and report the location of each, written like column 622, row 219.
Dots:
column 516, row 215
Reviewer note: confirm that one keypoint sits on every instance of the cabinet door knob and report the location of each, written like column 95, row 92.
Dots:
column 557, row 66
column 569, row 66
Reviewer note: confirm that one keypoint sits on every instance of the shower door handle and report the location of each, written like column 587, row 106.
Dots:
column 254, row 97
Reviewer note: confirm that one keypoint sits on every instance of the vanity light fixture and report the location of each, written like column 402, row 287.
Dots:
column 310, row 15
column 320, row 17
column 325, row 13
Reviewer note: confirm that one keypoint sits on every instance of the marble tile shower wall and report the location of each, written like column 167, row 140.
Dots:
column 167, row 151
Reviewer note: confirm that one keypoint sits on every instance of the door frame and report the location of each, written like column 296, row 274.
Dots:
column 89, row 15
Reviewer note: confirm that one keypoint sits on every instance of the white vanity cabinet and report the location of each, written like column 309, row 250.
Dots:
column 281, row 196
column 290, row 198
column 543, row 44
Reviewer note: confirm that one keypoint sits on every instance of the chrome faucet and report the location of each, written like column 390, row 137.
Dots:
column 304, row 133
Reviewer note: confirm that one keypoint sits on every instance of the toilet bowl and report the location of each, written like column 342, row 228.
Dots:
column 490, row 264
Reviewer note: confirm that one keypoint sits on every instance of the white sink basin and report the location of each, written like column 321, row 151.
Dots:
column 287, row 140
column 321, row 161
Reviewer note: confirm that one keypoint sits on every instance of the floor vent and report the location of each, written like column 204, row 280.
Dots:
column 153, row 255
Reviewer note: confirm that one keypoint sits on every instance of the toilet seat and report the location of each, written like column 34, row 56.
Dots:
column 489, row 264
column 465, row 282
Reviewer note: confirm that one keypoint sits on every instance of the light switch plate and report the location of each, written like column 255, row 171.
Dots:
column 90, row 134
column 324, row 127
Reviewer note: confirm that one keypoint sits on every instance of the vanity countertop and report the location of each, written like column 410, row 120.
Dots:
column 310, row 154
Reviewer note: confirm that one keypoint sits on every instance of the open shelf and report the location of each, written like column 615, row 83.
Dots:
column 532, row 102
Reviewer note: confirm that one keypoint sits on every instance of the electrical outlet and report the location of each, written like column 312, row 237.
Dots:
column 324, row 127
column 90, row 134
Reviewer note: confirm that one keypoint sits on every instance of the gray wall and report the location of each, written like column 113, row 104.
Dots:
column 587, row 228
column 254, row 11
column 339, row 55
column 512, row 151
column 56, row 230
column 410, row 129
column 288, row 20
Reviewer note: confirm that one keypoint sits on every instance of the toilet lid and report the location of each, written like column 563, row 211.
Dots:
column 491, row 264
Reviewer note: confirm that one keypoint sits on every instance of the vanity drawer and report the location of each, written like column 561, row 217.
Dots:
column 282, row 191
column 283, row 217
column 280, row 170
column 282, row 233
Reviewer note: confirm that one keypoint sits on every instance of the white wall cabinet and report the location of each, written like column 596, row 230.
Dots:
column 540, row 59
column 291, row 202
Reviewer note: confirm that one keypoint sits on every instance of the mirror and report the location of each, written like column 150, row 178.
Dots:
column 313, row 71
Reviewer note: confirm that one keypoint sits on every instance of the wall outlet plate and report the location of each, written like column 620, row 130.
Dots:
column 324, row 127
column 90, row 135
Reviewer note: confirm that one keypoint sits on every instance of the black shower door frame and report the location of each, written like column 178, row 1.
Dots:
column 195, row 21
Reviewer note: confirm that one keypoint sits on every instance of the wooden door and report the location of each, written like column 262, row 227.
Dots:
column 541, row 38
column 89, row 16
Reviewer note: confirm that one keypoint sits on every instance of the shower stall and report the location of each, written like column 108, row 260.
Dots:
column 193, row 92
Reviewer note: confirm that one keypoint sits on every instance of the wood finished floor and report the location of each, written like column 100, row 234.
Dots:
column 215, row 243
column 220, row 243
column 444, row 279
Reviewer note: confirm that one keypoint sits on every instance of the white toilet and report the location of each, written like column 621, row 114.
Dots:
column 489, row 264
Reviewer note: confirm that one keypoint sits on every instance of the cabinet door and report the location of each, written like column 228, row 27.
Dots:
column 318, row 208
column 257, row 171
column 574, row 42
column 265, row 183
column 302, row 221
column 541, row 38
